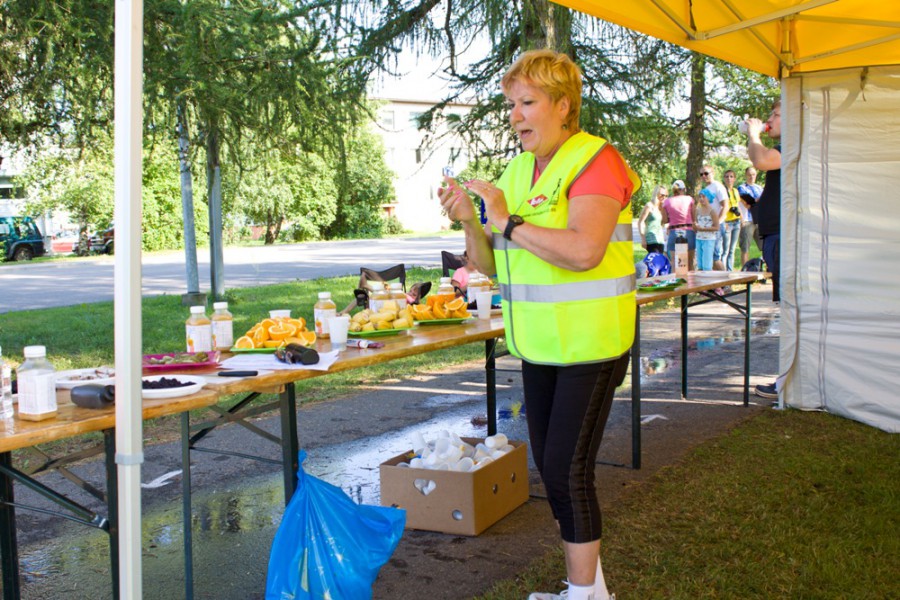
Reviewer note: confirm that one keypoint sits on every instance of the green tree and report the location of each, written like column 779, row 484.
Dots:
column 628, row 79
column 367, row 185
column 279, row 189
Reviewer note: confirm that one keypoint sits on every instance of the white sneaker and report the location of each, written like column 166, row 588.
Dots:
column 563, row 595
column 548, row 596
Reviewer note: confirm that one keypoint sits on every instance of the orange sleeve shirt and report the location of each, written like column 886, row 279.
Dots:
column 606, row 175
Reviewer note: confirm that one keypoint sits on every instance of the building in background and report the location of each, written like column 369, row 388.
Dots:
column 418, row 158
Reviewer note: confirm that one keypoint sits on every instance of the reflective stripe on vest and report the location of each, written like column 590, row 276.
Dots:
column 553, row 315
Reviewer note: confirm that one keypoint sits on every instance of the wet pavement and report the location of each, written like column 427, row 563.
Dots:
column 237, row 504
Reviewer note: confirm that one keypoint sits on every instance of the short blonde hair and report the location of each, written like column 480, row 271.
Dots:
column 552, row 72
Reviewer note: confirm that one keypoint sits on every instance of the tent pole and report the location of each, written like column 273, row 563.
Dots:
column 127, row 306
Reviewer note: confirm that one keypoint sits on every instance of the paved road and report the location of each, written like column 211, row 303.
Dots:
column 64, row 283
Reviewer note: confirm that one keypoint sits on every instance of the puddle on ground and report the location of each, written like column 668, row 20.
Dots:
column 758, row 327
column 233, row 528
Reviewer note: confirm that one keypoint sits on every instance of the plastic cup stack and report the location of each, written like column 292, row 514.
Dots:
column 447, row 452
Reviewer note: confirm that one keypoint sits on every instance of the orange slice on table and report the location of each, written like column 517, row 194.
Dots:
column 245, row 343
column 273, row 343
column 439, row 312
column 266, row 323
column 456, row 304
column 308, row 337
column 260, row 335
column 281, row 331
column 299, row 323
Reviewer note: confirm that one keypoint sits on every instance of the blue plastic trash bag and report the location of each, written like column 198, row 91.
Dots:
column 327, row 546
column 657, row 264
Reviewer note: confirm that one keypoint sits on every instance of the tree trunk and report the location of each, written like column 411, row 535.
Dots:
column 214, row 189
column 696, row 149
column 187, row 205
column 546, row 25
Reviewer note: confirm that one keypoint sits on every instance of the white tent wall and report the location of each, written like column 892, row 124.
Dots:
column 840, row 246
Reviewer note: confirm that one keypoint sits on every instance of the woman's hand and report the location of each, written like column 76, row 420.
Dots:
column 455, row 202
column 495, row 208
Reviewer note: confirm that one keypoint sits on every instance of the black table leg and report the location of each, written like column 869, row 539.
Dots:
column 747, row 349
column 290, row 443
column 490, row 378
column 187, row 515
column 112, row 505
column 684, row 346
column 8, row 543
column 636, row 393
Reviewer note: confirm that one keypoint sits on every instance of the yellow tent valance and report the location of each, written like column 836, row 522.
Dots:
column 774, row 37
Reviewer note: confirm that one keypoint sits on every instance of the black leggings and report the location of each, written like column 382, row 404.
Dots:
column 567, row 408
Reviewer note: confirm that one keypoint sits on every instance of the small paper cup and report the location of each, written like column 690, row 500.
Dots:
column 483, row 304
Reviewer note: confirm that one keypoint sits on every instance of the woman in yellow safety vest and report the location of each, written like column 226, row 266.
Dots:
column 558, row 237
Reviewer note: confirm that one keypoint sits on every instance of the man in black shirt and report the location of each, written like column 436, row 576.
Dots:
column 767, row 210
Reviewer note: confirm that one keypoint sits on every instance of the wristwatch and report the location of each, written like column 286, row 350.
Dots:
column 513, row 222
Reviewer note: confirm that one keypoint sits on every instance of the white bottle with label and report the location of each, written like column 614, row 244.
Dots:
column 223, row 326
column 198, row 331
column 681, row 256
column 37, row 385
column 323, row 310
column 6, row 403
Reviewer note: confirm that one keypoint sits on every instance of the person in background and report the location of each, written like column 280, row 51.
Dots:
column 706, row 224
column 720, row 205
column 749, row 192
column 731, row 228
column 558, row 236
column 650, row 222
column 460, row 278
column 678, row 213
column 767, row 215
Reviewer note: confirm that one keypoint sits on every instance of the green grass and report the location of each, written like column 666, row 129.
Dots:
column 787, row 505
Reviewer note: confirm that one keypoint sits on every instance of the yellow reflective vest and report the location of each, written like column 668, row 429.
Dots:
column 552, row 315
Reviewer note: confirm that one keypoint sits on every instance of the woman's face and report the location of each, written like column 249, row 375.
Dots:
column 537, row 119
column 662, row 195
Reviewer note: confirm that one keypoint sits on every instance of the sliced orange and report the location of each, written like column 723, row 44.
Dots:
column 260, row 335
column 439, row 312
column 273, row 343
column 266, row 323
column 456, row 304
column 308, row 337
column 299, row 323
column 245, row 343
column 281, row 331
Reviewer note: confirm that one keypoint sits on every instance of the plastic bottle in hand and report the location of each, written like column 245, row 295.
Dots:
column 742, row 126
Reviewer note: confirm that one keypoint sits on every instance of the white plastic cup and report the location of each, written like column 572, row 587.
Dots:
column 274, row 314
column 483, row 304
column 337, row 329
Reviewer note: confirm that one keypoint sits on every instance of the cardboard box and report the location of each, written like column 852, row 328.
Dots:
column 461, row 503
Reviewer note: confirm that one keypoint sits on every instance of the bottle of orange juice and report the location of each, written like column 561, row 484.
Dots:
column 198, row 330
column 323, row 310
column 445, row 290
column 222, row 326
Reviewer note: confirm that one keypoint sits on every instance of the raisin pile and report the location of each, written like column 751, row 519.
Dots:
column 164, row 383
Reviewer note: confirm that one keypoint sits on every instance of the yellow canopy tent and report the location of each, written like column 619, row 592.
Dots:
column 774, row 37
column 840, row 212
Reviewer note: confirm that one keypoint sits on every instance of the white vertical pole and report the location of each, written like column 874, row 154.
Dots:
column 129, row 438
